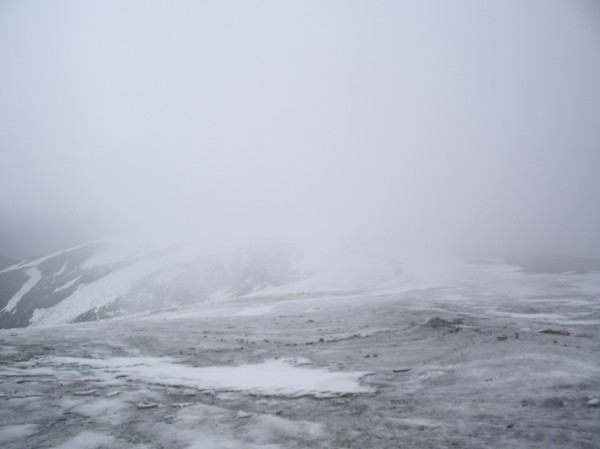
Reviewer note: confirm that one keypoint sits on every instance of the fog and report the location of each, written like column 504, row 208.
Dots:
column 466, row 126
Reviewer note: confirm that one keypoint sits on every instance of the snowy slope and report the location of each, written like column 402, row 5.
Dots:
column 278, row 349
column 453, row 366
column 107, row 279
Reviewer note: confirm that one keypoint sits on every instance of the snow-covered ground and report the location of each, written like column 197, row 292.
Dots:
column 454, row 358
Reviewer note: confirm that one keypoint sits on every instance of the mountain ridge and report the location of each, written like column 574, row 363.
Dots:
column 93, row 281
column 107, row 279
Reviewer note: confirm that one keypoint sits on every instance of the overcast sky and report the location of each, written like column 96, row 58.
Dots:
column 468, row 125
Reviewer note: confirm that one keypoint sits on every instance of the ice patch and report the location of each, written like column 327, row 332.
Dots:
column 272, row 377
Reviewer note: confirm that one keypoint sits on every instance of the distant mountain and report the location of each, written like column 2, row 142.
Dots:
column 108, row 279
column 102, row 280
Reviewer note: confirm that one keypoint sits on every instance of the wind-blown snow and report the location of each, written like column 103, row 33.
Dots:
column 272, row 377
column 34, row 276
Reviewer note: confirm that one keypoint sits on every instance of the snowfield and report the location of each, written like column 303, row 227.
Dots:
column 271, row 378
column 425, row 357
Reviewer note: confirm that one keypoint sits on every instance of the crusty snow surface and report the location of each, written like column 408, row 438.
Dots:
column 444, row 364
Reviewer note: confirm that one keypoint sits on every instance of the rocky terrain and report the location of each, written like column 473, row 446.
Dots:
column 478, row 355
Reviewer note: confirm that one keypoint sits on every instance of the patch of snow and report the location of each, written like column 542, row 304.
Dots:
column 272, row 377
column 255, row 311
column 62, row 269
column 37, row 315
column 88, row 440
column 106, row 410
column 198, row 311
column 205, row 426
column 67, row 285
column 538, row 316
column 264, row 428
column 36, row 262
column 16, row 432
column 34, row 277
column 301, row 361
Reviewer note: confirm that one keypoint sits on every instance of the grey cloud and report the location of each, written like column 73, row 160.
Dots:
column 469, row 126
